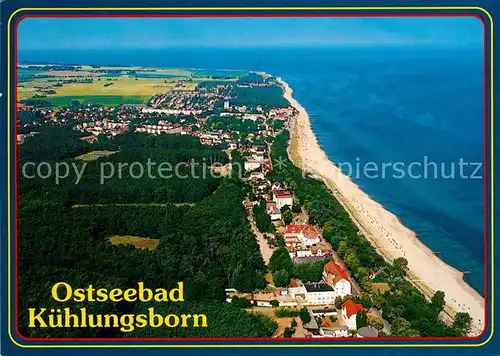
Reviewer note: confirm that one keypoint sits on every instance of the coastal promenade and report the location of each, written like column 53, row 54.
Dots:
column 382, row 228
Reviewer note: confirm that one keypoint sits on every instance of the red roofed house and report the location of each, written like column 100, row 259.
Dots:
column 282, row 198
column 307, row 234
column 336, row 277
column 349, row 312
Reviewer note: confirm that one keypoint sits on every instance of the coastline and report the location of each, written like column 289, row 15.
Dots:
column 383, row 229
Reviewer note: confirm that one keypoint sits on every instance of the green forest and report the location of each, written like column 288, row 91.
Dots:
column 207, row 245
column 55, row 144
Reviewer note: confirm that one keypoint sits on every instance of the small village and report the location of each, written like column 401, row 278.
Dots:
column 331, row 310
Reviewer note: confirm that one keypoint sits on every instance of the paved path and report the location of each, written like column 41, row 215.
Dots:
column 265, row 250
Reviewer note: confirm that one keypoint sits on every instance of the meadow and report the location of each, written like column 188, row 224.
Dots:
column 137, row 242
column 116, row 87
column 94, row 155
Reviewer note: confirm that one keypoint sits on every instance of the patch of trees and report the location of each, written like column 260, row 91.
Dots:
column 361, row 319
column 281, row 265
column 38, row 103
column 309, row 272
column 251, row 78
column 286, row 313
column 209, row 247
column 283, row 270
column 267, row 96
column 276, row 124
column 240, row 302
column 402, row 300
column 228, row 123
column 29, row 116
column 224, row 320
column 262, row 219
column 304, row 315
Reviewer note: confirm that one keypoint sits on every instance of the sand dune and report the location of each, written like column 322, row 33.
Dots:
column 384, row 230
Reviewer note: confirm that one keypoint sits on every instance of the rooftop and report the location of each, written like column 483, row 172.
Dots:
column 334, row 268
column 317, row 287
column 351, row 307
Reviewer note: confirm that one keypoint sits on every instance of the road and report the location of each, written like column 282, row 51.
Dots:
column 265, row 250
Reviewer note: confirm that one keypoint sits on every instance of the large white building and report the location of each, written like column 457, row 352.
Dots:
column 319, row 250
column 307, row 235
column 336, row 277
column 318, row 293
column 282, row 198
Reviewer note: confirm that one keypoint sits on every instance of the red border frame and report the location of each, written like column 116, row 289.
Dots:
column 313, row 341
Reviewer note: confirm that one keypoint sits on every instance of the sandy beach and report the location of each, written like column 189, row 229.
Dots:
column 381, row 227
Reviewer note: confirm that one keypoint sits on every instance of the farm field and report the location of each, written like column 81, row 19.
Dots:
column 108, row 85
column 118, row 86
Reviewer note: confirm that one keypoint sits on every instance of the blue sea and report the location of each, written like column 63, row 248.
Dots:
column 404, row 107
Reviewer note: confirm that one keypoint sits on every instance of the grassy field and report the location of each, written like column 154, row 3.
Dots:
column 94, row 155
column 109, row 100
column 26, row 90
column 122, row 90
column 138, row 242
column 120, row 86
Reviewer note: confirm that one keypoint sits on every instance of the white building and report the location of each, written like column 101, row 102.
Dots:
column 273, row 211
column 337, row 331
column 282, row 198
column 318, row 293
column 349, row 312
column 251, row 164
column 337, row 278
column 301, row 251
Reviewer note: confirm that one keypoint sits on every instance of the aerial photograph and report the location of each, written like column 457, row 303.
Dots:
column 250, row 177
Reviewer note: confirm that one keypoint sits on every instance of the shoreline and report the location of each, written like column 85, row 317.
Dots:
column 383, row 229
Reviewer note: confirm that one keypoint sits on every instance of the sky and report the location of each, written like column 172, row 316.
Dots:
column 98, row 33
